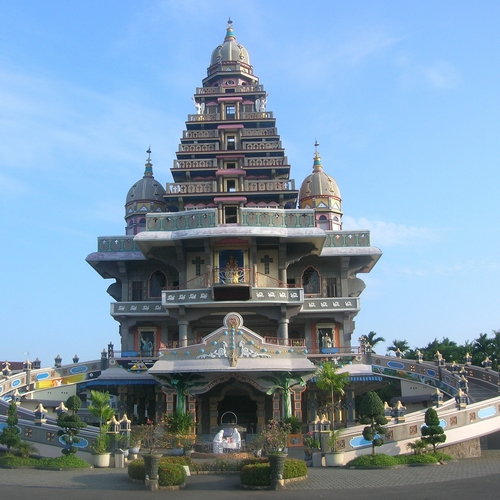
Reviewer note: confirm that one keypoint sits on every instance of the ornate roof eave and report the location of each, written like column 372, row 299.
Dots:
column 233, row 348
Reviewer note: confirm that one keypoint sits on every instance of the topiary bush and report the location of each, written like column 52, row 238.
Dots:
column 137, row 471
column 379, row 460
column 170, row 474
column 259, row 473
column 256, row 475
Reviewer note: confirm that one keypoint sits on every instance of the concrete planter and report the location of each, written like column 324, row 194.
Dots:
column 101, row 459
column 334, row 459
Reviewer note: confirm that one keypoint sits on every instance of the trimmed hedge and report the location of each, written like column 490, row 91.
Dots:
column 259, row 474
column 63, row 462
column 168, row 474
column 382, row 460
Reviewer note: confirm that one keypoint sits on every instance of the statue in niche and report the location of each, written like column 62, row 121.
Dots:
column 200, row 106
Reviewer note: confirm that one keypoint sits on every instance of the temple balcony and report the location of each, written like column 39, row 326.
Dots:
column 198, row 148
column 249, row 185
column 265, row 161
column 262, row 145
column 137, row 308
column 216, row 117
column 186, row 164
column 200, row 134
column 192, row 187
column 243, row 89
column 322, row 305
column 259, row 132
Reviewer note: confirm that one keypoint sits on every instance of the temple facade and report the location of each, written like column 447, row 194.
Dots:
column 230, row 282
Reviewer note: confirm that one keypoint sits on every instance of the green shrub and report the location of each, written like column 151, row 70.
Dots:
column 136, row 469
column 170, row 474
column 259, row 473
column 256, row 475
column 379, row 460
column 64, row 462
column 294, row 468
column 428, row 458
column 442, row 456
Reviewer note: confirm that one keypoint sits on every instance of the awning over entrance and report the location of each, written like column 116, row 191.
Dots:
column 233, row 348
column 117, row 375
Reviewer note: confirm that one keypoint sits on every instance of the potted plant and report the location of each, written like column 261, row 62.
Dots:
column 295, row 437
column 187, row 444
column 335, row 457
column 135, row 442
column 152, row 437
column 311, row 445
column 100, row 408
column 101, row 456
column 275, row 439
column 179, row 429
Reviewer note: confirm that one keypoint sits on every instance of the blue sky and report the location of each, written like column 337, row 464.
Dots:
column 403, row 97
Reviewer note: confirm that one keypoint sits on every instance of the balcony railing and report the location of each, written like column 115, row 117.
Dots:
column 210, row 163
column 266, row 162
column 259, row 132
column 286, row 185
column 227, row 276
column 329, row 304
column 254, row 146
column 236, row 89
column 192, row 187
column 201, row 134
column 198, row 148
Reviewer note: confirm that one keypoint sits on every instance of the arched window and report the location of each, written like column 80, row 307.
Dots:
column 323, row 223
column 311, row 281
column 157, row 282
column 142, row 225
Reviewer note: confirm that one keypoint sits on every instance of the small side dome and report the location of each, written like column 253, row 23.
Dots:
column 145, row 196
column 319, row 191
column 230, row 50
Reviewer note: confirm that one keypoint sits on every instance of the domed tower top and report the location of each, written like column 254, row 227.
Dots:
column 146, row 195
column 229, row 59
column 321, row 192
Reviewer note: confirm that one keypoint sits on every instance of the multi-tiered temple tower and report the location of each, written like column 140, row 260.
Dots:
column 220, row 273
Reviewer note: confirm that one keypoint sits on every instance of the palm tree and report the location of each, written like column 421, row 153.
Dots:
column 183, row 383
column 100, row 406
column 482, row 347
column 373, row 340
column 402, row 345
column 328, row 379
column 283, row 382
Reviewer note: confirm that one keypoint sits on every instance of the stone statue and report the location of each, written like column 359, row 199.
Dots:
column 200, row 106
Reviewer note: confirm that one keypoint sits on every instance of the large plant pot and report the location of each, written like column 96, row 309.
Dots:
column 101, row 459
column 277, row 463
column 334, row 459
column 151, row 465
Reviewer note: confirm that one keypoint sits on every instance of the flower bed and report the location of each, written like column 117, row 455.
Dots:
column 168, row 472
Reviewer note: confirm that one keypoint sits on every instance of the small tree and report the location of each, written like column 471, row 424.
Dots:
column 74, row 403
column 432, row 433
column 11, row 434
column 372, row 413
column 329, row 380
column 100, row 407
column 70, row 426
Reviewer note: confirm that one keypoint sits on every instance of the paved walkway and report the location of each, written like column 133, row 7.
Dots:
column 479, row 476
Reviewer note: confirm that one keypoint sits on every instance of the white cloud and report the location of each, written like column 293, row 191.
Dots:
column 441, row 75
column 387, row 234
